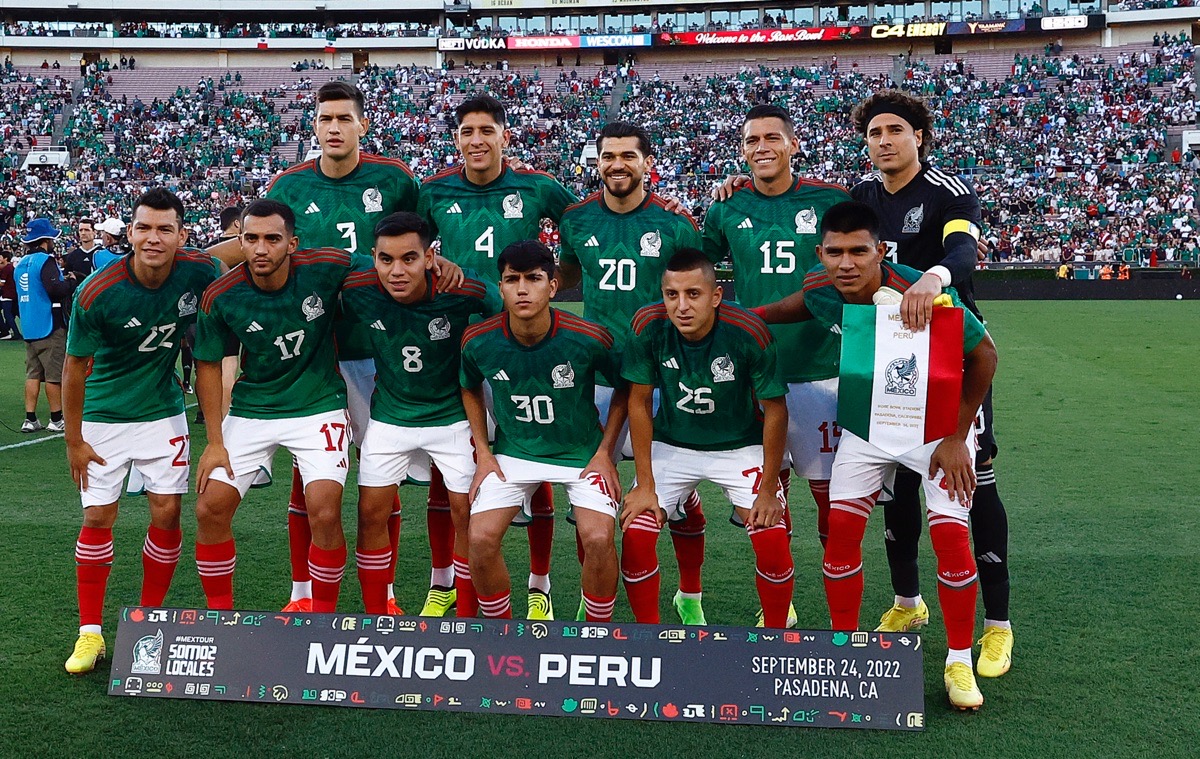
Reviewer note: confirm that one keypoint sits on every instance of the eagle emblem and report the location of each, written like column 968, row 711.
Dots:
column 188, row 303
column 147, row 655
column 722, row 369
column 651, row 244
column 563, row 376
column 806, row 221
column 900, row 377
column 514, row 207
column 312, row 307
column 372, row 200
column 913, row 219
column 439, row 328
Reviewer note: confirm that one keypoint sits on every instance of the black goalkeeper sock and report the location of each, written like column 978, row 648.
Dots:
column 989, row 532
column 902, row 522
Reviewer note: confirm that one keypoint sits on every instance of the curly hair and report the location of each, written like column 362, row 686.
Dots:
column 912, row 109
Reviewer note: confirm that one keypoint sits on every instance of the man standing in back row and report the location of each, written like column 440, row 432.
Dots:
column 929, row 220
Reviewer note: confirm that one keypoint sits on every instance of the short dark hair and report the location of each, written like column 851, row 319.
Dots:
column 160, row 199
column 526, row 255
column 692, row 259
column 403, row 223
column 342, row 90
column 850, row 216
column 87, row 221
column 617, row 129
column 911, row 109
column 229, row 215
column 265, row 207
column 482, row 104
column 770, row 111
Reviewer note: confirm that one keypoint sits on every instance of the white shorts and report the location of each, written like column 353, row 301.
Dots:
column 388, row 452
column 677, row 472
column 862, row 469
column 418, row 469
column 158, row 449
column 522, row 478
column 624, row 446
column 318, row 444
column 360, row 385
column 812, row 437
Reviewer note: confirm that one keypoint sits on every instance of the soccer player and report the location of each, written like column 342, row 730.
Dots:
column 713, row 363
column 542, row 364
column 123, row 404
column 853, row 268
column 929, row 220
column 277, row 310
column 769, row 229
column 415, row 333
column 618, row 241
column 478, row 209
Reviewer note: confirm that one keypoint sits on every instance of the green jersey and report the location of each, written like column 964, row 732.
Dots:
column 477, row 222
column 544, row 394
column 342, row 213
column 773, row 241
column 623, row 256
column 133, row 335
column 285, row 337
column 709, row 388
column 416, row 346
column 824, row 302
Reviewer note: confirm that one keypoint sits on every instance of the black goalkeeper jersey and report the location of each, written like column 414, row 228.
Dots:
column 916, row 220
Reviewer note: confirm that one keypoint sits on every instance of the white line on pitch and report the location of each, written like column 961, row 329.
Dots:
column 55, row 436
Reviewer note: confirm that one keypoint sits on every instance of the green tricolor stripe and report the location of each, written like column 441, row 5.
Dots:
column 857, row 370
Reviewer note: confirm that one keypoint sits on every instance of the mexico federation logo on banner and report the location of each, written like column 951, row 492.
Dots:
column 900, row 377
column 147, row 655
column 563, row 376
column 514, row 207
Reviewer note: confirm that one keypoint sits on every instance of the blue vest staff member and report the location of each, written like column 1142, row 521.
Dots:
column 41, row 292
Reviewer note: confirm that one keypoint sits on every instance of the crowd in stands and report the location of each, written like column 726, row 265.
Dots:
column 1074, row 159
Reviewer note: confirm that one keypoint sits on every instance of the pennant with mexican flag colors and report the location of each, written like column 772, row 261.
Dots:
column 899, row 389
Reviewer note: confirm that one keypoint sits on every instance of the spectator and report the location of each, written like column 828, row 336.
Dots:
column 8, row 297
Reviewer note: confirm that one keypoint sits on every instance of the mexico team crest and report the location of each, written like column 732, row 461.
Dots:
column 900, row 377
column 188, row 303
column 806, row 221
column 563, row 376
column 439, row 328
column 372, row 200
column 651, row 244
column 312, row 307
column 913, row 219
column 722, row 369
column 147, row 655
column 514, row 207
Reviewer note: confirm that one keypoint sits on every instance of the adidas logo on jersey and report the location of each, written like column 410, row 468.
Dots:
column 456, row 208
column 132, row 323
column 500, row 376
column 312, row 208
column 746, row 224
column 377, row 324
column 671, row 363
column 592, row 242
column 254, row 327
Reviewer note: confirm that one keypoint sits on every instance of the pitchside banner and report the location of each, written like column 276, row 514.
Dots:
column 900, row 389
column 736, row 675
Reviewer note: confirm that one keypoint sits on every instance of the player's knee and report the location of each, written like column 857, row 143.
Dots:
column 100, row 517
column 484, row 537
column 596, row 539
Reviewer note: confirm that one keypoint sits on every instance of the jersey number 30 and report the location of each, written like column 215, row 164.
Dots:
column 539, row 408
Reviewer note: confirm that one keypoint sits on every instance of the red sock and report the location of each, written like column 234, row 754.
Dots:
column 326, row 567
column 598, row 608
column 467, row 603
column 956, row 579
column 639, row 568
column 374, row 574
column 437, row 519
column 299, row 535
column 160, row 556
column 775, row 573
column 820, row 494
column 688, row 539
column 498, row 606
column 843, row 560
column 93, row 563
column 216, row 563
column 541, row 530
column 393, row 538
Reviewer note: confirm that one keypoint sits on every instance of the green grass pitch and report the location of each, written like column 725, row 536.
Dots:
column 1097, row 416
